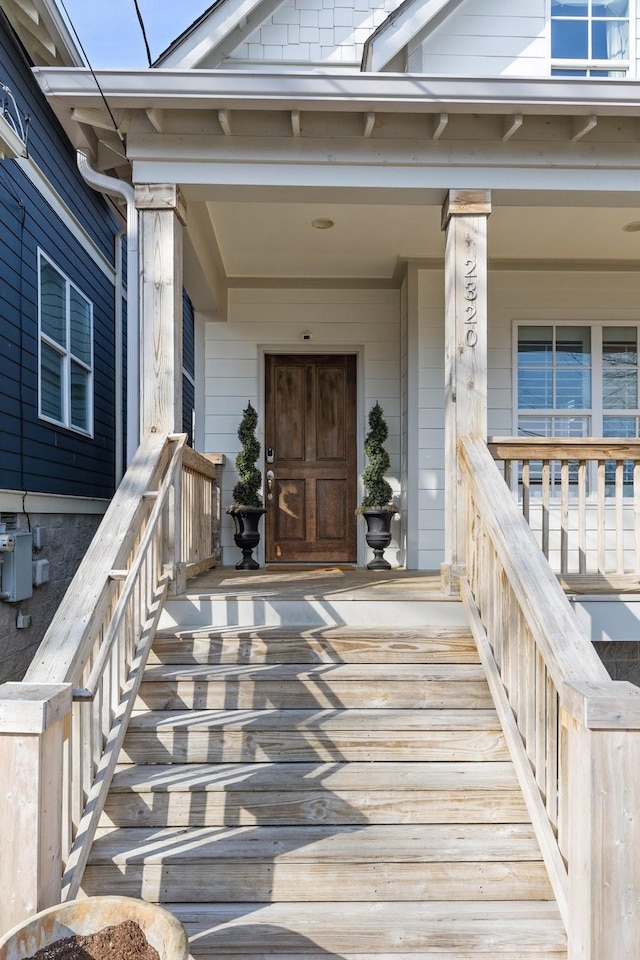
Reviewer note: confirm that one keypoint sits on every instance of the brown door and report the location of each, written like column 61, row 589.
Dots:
column 311, row 434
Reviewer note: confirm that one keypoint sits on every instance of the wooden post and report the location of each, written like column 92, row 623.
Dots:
column 464, row 218
column 32, row 727
column 162, row 216
column 604, row 821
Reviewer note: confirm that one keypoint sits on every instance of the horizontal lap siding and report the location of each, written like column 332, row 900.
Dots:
column 494, row 38
column 337, row 319
column 36, row 455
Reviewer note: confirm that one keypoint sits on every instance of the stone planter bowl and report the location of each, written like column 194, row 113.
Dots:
column 162, row 930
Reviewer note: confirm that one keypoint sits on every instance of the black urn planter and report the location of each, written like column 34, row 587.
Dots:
column 247, row 535
column 378, row 535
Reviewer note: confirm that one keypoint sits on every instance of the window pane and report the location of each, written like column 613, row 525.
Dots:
column 535, row 346
column 620, row 368
column 53, row 303
column 569, row 8
column 573, row 73
column 79, row 397
column 610, row 8
column 80, row 322
column 570, row 426
column 610, row 40
column 51, row 378
column 569, row 39
column 573, row 347
column 534, row 426
column 621, row 427
column 535, row 389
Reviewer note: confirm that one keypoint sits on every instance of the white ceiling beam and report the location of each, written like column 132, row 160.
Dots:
column 369, row 124
column 224, row 119
column 440, row 124
column 156, row 119
column 511, row 126
column 296, row 129
column 581, row 126
column 94, row 117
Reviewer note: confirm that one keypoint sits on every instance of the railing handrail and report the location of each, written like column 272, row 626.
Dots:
column 563, row 448
column 566, row 649
column 68, row 640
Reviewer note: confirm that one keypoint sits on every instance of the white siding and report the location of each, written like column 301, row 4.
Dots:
column 535, row 296
column 362, row 321
column 488, row 38
column 300, row 31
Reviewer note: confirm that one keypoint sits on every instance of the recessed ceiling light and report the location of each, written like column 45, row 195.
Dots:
column 322, row 224
column 633, row 227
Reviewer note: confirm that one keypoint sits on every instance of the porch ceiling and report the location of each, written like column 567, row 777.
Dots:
column 368, row 241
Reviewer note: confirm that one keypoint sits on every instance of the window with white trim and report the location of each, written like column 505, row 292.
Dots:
column 578, row 380
column 65, row 350
column 590, row 38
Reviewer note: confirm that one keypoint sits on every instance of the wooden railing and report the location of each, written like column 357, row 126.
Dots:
column 581, row 497
column 62, row 728
column 573, row 733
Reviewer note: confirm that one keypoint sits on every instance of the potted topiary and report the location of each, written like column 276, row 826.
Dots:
column 377, row 508
column 247, row 507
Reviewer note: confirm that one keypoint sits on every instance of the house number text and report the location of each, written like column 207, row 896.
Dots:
column 471, row 295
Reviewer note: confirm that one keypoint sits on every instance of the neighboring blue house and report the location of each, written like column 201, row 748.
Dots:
column 62, row 357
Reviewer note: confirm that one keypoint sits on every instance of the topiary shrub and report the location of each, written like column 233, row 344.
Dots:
column 246, row 492
column 378, row 492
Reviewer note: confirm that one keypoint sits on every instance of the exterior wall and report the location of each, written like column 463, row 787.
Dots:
column 56, row 478
column 37, row 455
column 358, row 320
column 535, row 296
column 68, row 536
column 333, row 31
column 492, row 38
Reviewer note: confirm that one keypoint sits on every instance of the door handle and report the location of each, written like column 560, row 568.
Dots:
column 270, row 478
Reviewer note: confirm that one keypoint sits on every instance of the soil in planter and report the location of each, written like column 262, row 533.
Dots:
column 122, row 941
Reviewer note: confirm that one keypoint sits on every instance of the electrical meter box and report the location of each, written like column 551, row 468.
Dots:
column 16, row 574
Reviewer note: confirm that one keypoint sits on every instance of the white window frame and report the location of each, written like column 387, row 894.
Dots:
column 65, row 353
column 627, row 67
column 597, row 413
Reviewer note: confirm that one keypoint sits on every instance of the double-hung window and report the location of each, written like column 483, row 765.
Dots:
column 578, row 380
column 65, row 356
column 590, row 38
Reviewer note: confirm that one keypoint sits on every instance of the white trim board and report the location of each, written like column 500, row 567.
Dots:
column 20, row 501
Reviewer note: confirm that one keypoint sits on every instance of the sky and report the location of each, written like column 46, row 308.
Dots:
column 110, row 33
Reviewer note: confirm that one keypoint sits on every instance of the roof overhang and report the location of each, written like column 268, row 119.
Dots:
column 67, row 89
column 411, row 18
column 44, row 32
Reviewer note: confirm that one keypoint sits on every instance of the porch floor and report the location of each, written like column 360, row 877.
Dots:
column 310, row 583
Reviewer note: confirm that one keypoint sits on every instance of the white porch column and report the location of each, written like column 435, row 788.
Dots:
column 464, row 218
column 162, row 216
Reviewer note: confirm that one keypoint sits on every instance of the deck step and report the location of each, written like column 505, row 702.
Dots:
column 388, row 931
column 219, row 736
column 427, row 644
column 320, row 863
column 294, row 686
column 335, row 791
column 311, row 793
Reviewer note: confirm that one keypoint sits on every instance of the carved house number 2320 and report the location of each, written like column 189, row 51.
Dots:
column 471, row 296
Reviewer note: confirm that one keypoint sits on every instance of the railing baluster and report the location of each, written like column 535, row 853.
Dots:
column 546, row 497
column 636, row 515
column 601, row 517
column 582, row 516
column 619, row 521
column 564, row 517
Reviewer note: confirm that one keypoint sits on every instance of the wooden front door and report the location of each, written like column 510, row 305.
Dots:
column 310, row 430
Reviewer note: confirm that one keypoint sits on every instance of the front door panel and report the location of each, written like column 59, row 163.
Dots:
column 311, row 428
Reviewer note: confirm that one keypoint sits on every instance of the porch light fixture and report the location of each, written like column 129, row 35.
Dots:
column 322, row 224
column 633, row 227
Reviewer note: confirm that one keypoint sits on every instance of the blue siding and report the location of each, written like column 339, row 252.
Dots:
column 36, row 455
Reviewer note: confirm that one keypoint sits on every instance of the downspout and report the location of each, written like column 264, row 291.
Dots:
column 118, row 188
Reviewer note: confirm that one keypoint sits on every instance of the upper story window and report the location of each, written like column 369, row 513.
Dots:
column 65, row 356
column 590, row 38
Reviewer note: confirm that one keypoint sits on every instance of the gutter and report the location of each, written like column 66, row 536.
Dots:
column 118, row 188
